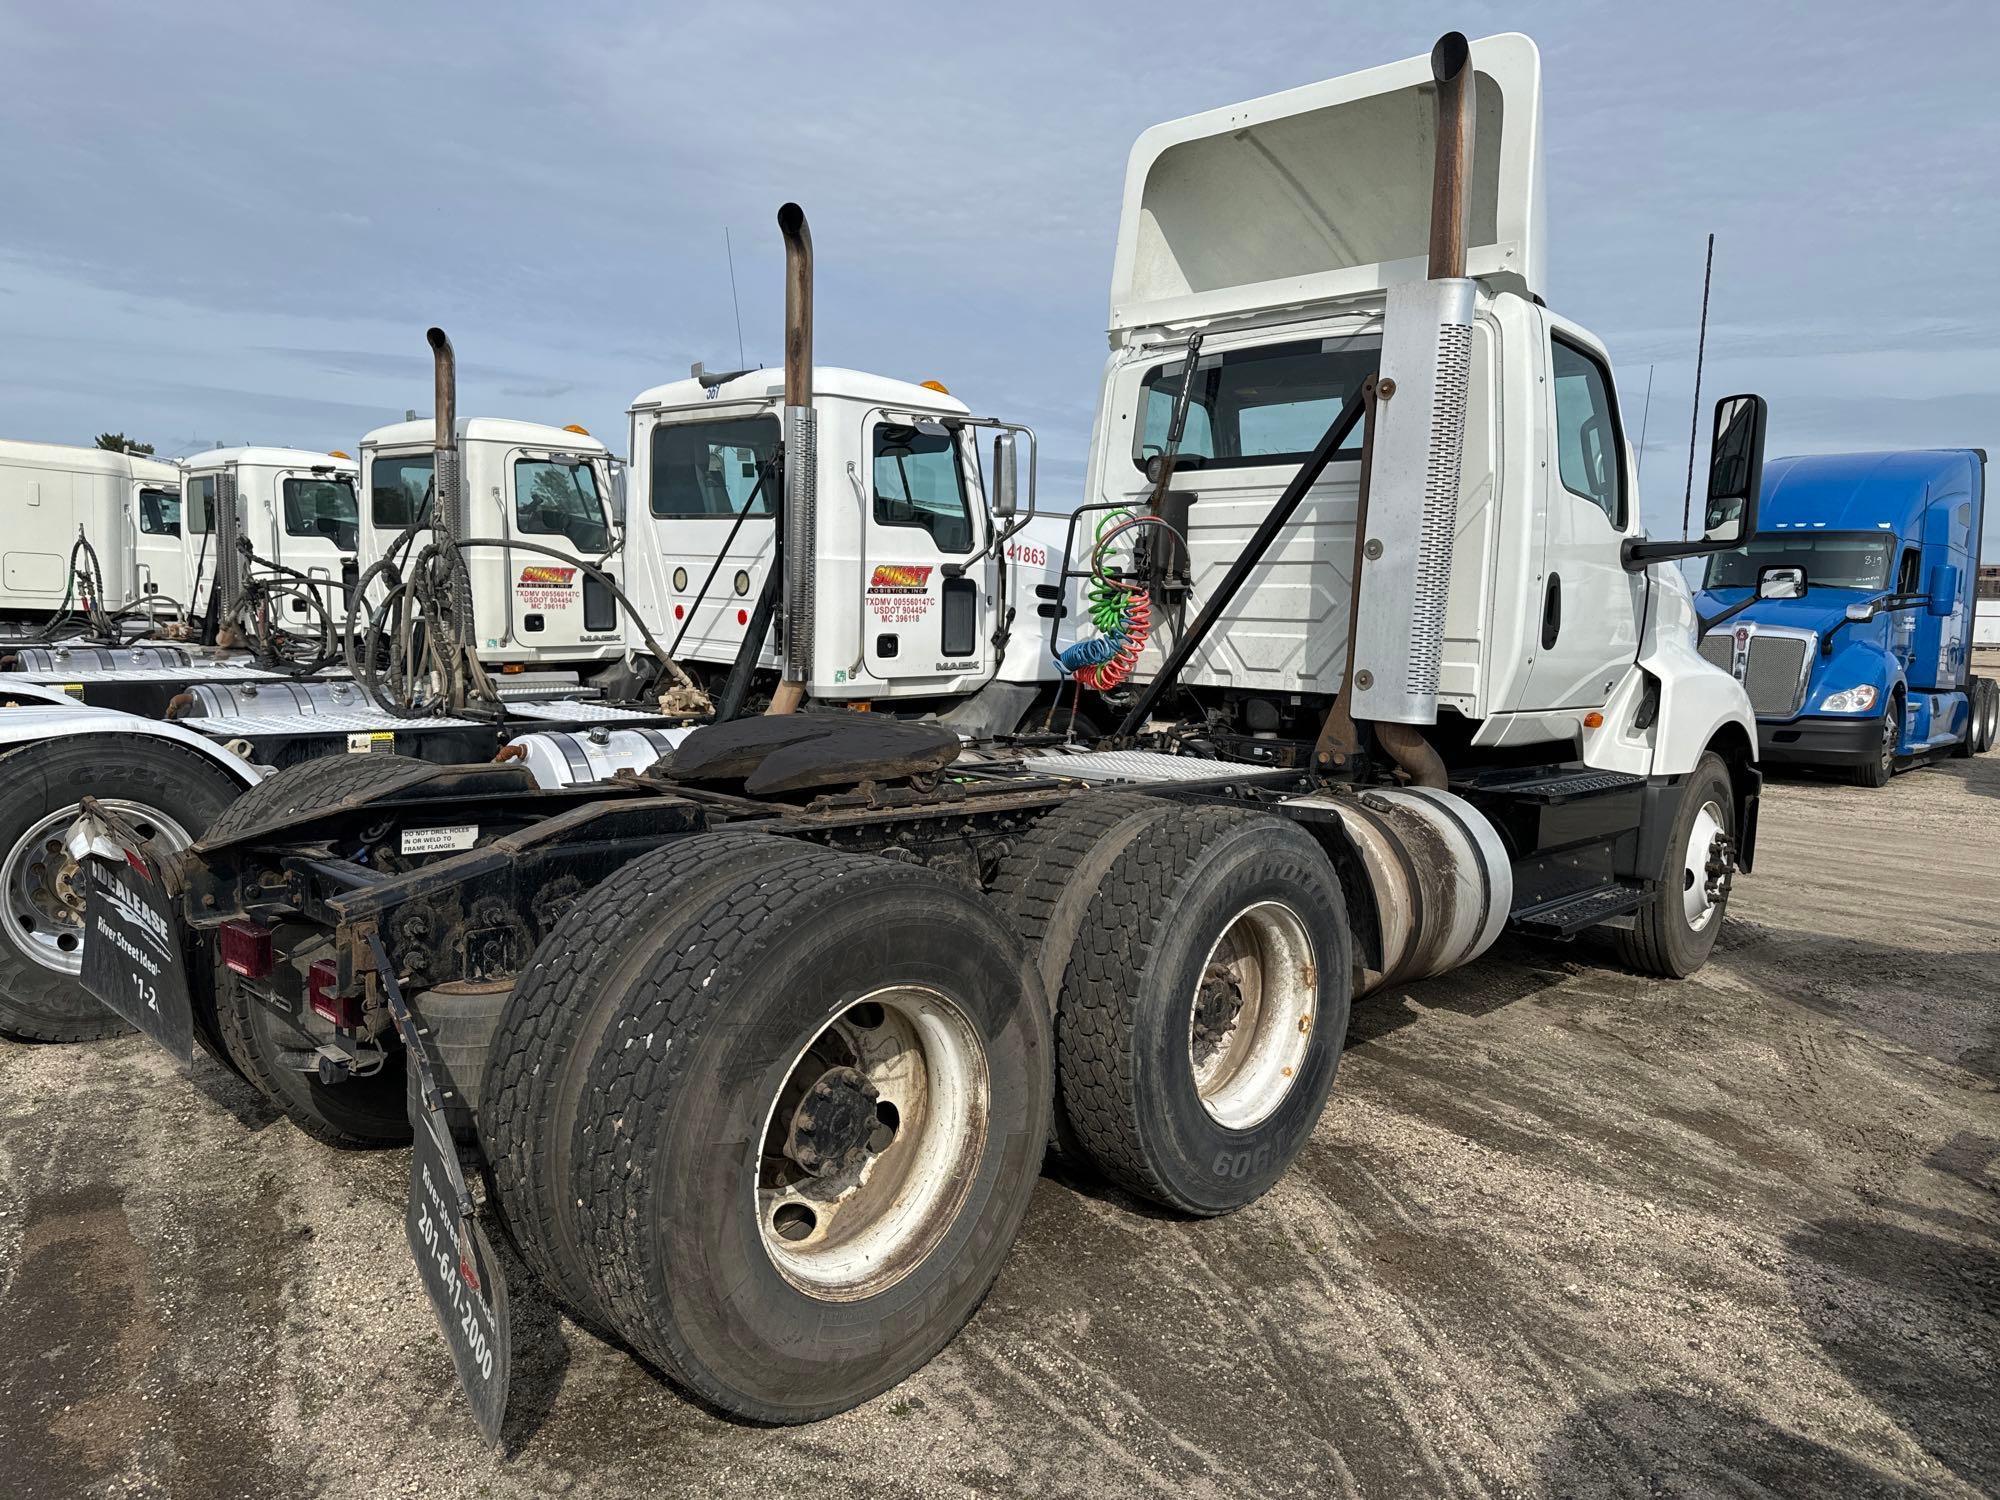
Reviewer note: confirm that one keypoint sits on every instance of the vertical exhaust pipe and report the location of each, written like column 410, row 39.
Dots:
column 227, row 523
column 1451, row 196
column 796, row 527
column 447, row 486
column 1407, row 519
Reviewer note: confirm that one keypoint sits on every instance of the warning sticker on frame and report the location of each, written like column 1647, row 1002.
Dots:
column 544, row 587
column 896, row 592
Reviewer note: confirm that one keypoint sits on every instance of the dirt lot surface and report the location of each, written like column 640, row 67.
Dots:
column 1562, row 1231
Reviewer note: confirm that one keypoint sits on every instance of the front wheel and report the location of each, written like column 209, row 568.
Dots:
column 1881, row 765
column 169, row 794
column 1673, row 933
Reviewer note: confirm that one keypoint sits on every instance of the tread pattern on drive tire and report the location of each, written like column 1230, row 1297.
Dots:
column 539, row 1029
column 1094, row 1021
column 670, row 995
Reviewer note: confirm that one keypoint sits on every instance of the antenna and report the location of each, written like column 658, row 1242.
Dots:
column 1645, row 421
column 730, row 250
column 1694, row 421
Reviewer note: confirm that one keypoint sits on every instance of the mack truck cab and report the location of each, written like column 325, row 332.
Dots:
column 295, row 507
column 542, row 497
column 923, row 589
column 1848, row 617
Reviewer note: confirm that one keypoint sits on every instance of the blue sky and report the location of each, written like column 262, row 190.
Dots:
column 233, row 223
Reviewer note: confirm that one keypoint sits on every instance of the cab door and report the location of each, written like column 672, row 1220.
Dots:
column 922, row 515
column 159, row 565
column 557, row 501
column 1588, row 609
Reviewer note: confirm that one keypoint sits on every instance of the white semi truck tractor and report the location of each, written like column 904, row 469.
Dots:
column 761, row 1046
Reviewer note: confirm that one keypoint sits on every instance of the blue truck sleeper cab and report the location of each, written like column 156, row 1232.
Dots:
column 1896, row 534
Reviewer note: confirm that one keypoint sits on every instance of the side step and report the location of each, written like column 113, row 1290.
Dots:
column 1566, row 916
column 1549, row 784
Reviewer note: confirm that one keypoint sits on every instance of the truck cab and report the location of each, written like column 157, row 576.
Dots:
column 296, row 508
column 546, row 495
column 127, row 506
column 1550, row 633
column 1868, row 664
column 915, row 579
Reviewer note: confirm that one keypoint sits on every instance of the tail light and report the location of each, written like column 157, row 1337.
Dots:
column 246, row 949
column 322, row 986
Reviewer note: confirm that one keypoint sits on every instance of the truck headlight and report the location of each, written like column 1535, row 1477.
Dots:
column 1855, row 700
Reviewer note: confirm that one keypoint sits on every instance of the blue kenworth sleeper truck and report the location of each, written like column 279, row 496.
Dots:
column 1848, row 616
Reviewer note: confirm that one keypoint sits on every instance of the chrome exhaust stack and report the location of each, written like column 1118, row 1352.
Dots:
column 801, row 436
column 227, row 524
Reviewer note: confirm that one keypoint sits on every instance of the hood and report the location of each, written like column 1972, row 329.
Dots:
column 1820, row 610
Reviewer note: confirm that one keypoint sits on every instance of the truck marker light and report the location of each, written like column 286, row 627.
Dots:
column 1593, row 720
column 321, row 980
column 742, row 617
column 246, row 949
column 679, row 610
column 576, row 427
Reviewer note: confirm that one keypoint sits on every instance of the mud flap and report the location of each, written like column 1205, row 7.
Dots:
column 132, row 959
column 455, row 1261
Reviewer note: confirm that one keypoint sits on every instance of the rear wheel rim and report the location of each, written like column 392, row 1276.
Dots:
column 42, row 913
column 1252, row 1017
column 1697, row 903
column 872, row 1142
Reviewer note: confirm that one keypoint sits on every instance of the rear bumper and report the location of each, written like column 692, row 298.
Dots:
column 1809, row 741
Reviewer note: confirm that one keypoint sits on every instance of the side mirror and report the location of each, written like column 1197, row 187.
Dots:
column 1781, row 583
column 618, row 496
column 1735, row 470
column 1735, row 478
column 1006, row 476
column 1943, row 596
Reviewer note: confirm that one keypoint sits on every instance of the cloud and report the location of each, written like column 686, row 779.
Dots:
column 228, row 219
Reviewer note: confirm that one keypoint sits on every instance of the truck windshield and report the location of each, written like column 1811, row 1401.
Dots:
column 323, row 506
column 1831, row 559
column 399, row 489
column 1253, row 407
column 715, row 467
column 557, row 496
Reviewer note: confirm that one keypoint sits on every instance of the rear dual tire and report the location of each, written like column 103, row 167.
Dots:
column 1203, row 972
column 687, row 1128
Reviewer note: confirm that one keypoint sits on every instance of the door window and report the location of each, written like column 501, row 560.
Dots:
column 322, row 507
column 1909, row 573
column 919, row 482
column 715, row 467
column 558, row 497
column 1256, row 407
column 1589, row 448
column 399, row 490
column 160, row 512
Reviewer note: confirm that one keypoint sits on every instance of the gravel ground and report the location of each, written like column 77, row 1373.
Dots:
column 1561, row 1231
